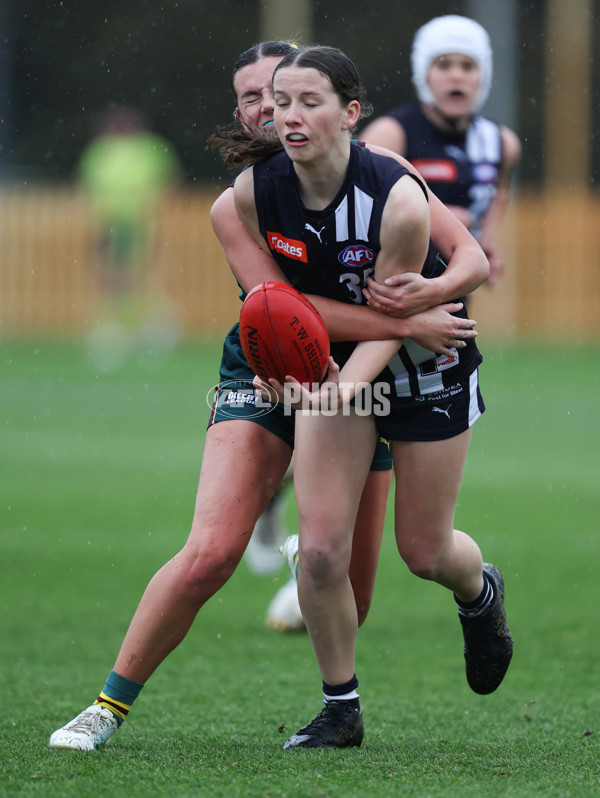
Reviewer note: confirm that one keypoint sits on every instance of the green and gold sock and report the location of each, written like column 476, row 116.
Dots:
column 118, row 695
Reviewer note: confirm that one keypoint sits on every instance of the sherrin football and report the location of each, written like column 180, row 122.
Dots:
column 282, row 333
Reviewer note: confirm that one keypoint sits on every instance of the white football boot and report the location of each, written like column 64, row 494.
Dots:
column 91, row 729
column 290, row 552
column 262, row 555
column 283, row 613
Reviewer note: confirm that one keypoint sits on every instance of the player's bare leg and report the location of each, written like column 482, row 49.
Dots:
column 225, row 514
column 366, row 541
column 328, row 495
column 434, row 550
column 366, row 546
column 428, row 477
column 328, row 492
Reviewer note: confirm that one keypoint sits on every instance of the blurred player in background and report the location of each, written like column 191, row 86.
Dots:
column 126, row 171
column 466, row 159
column 263, row 557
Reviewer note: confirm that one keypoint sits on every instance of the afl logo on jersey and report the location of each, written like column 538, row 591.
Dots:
column 356, row 255
column 485, row 173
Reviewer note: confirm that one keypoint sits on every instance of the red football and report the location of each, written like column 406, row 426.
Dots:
column 282, row 333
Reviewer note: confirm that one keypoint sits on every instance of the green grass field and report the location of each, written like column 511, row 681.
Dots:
column 99, row 473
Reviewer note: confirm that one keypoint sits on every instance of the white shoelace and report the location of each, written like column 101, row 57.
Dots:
column 88, row 720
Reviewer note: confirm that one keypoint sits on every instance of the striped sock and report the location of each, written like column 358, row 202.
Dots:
column 342, row 692
column 118, row 695
column 481, row 603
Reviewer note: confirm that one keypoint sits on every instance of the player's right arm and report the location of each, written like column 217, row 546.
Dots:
column 246, row 257
column 467, row 266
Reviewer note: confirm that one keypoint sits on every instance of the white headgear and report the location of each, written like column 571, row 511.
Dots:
column 451, row 34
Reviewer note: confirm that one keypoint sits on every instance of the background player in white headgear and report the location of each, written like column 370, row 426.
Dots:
column 466, row 158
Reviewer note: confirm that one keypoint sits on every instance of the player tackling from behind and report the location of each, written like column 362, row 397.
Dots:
column 244, row 461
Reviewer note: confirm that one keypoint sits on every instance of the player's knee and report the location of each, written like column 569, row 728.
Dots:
column 421, row 562
column 203, row 573
column 322, row 562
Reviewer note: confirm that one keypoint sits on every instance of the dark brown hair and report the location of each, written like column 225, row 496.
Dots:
column 337, row 68
column 237, row 146
column 330, row 62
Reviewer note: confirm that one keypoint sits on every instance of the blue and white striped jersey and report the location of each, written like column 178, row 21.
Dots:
column 331, row 252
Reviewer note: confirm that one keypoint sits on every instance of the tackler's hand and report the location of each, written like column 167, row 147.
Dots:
column 302, row 395
column 401, row 295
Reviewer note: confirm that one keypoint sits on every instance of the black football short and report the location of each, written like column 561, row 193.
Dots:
column 433, row 416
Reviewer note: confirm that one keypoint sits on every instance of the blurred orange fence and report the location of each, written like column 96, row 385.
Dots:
column 49, row 285
column 49, row 275
column 551, row 289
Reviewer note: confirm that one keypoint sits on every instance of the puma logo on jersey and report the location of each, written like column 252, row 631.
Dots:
column 311, row 229
column 455, row 152
column 446, row 412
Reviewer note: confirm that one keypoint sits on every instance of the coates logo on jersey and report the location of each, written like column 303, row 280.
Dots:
column 356, row 255
column 287, row 246
column 437, row 170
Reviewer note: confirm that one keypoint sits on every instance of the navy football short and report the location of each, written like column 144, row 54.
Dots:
column 434, row 416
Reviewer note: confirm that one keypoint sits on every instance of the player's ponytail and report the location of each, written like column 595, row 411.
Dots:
column 239, row 148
